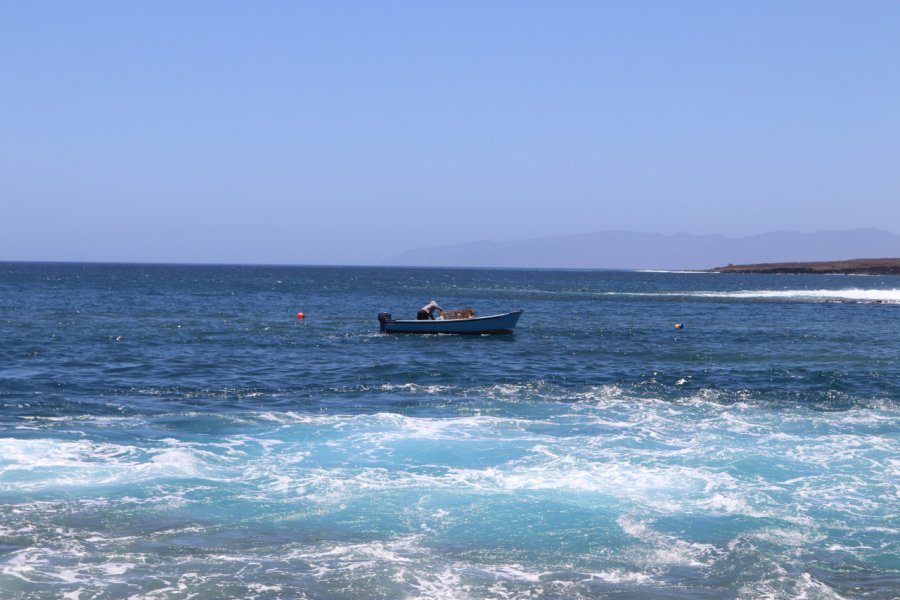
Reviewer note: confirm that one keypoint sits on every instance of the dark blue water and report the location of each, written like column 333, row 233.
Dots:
column 175, row 432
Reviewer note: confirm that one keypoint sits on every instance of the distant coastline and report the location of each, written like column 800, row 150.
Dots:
column 858, row 266
column 632, row 250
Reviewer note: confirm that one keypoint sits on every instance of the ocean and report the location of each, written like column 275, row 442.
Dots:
column 174, row 431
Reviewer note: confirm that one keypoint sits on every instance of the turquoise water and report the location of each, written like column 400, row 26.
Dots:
column 175, row 432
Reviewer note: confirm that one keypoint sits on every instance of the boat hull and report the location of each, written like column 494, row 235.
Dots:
column 503, row 323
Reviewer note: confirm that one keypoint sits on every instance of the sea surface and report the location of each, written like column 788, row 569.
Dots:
column 176, row 432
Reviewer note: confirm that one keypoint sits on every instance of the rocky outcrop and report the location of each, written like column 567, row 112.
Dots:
column 859, row 266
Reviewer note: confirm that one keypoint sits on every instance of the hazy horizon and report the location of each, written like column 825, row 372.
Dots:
column 718, row 254
column 285, row 133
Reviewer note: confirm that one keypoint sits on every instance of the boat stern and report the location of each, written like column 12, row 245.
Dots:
column 383, row 318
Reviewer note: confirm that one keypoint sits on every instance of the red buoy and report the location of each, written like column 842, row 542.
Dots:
column 300, row 315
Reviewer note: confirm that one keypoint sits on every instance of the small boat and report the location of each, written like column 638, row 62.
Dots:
column 502, row 323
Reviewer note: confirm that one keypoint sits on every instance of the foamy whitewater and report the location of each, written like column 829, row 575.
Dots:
column 175, row 432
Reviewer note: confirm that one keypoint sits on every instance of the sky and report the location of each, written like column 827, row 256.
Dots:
column 346, row 132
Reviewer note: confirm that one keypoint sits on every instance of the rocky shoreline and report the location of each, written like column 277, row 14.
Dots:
column 859, row 266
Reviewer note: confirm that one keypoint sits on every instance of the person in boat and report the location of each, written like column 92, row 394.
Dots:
column 427, row 311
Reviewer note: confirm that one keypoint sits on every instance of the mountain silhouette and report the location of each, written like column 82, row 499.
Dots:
column 635, row 250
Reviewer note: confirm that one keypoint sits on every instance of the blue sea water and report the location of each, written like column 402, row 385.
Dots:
column 175, row 432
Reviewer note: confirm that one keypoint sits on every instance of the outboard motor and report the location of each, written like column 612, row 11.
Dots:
column 382, row 317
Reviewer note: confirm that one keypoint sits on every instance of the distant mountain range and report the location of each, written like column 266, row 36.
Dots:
column 633, row 250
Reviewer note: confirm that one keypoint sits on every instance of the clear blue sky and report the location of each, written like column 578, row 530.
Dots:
column 345, row 132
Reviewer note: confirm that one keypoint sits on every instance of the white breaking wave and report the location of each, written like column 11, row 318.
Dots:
column 676, row 271
column 850, row 294
column 886, row 296
column 50, row 463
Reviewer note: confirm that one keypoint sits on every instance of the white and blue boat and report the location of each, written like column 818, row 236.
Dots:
column 502, row 323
